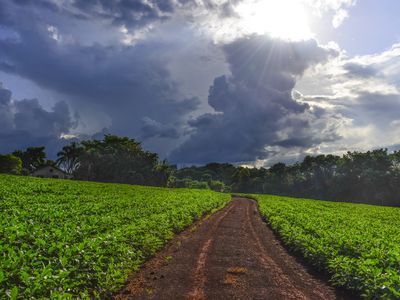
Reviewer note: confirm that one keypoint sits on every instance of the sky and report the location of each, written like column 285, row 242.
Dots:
column 249, row 82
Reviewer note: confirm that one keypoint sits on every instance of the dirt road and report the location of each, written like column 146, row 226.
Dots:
column 230, row 255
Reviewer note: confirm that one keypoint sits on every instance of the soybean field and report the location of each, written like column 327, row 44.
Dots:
column 69, row 239
column 358, row 245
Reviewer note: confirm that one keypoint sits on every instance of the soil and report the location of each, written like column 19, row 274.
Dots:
column 231, row 254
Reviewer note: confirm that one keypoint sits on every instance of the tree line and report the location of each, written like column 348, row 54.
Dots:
column 371, row 177
column 366, row 177
column 113, row 159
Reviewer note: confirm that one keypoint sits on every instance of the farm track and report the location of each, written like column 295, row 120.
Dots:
column 231, row 254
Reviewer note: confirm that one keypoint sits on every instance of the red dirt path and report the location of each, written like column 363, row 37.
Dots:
column 232, row 254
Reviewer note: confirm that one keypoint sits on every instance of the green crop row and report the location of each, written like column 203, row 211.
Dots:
column 69, row 239
column 358, row 245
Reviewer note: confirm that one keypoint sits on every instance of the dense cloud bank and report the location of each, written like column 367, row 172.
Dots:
column 26, row 123
column 254, row 104
column 168, row 74
column 131, row 14
column 130, row 84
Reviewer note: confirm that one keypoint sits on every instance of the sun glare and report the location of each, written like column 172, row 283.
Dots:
column 285, row 19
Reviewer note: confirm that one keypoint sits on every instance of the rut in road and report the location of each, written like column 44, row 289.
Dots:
column 230, row 255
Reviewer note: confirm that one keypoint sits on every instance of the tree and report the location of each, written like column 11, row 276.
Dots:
column 10, row 164
column 32, row 158
column 242, row 180
column 122, row 160
column 51, row 163
column 278, row 169
column 217, row 185
column 69, row 157
column 163, row 173
column 367, row 177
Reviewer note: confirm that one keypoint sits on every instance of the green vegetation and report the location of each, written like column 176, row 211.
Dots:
column 358, row 245
column 10, row 164
column 115, row 159
column 371, row 177
column 32, row 158
column 70, row 239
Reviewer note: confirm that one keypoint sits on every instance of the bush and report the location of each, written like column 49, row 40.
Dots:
column 10, row 164
column 217, row 186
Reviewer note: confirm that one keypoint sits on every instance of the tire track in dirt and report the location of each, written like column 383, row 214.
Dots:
column 231, row 254
column 197, row 292
column 281, row 279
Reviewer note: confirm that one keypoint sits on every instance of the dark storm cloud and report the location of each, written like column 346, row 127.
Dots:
column 132, row 85
column 26, row 123
column 139, row 12
column 254, row 105
column 133, row 14
column 152, row 128
column 48, row 4
column 125, row 82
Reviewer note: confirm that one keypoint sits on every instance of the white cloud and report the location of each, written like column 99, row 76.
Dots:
column 337, row 8
column 363, row 92
column 339, row 17
column 322, row 6
column 53, row 33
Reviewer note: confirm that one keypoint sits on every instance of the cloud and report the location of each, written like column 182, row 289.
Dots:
column 26, row 123
column 379, row 110
column 253, row 105
column 359, row 70
column 124, row 82
column 321, row 6
column 364, row 91
column 339, row 17
column 152, row 128
column 165, row 72
column 134, row 13
column 339, row 8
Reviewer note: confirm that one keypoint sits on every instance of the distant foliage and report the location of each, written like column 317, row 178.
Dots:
column 32, row 158
column 206, row 182
column 366, row 177
column 188, row 183
column 112, row 159
column 10, row 164
column 79, row 240
column 218, row 177
column 69, row 158
column 115, row 159
column 357, row 245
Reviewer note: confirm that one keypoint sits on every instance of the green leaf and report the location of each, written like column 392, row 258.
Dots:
column 14, row 293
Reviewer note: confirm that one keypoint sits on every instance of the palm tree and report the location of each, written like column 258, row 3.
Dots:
column 69, row 157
